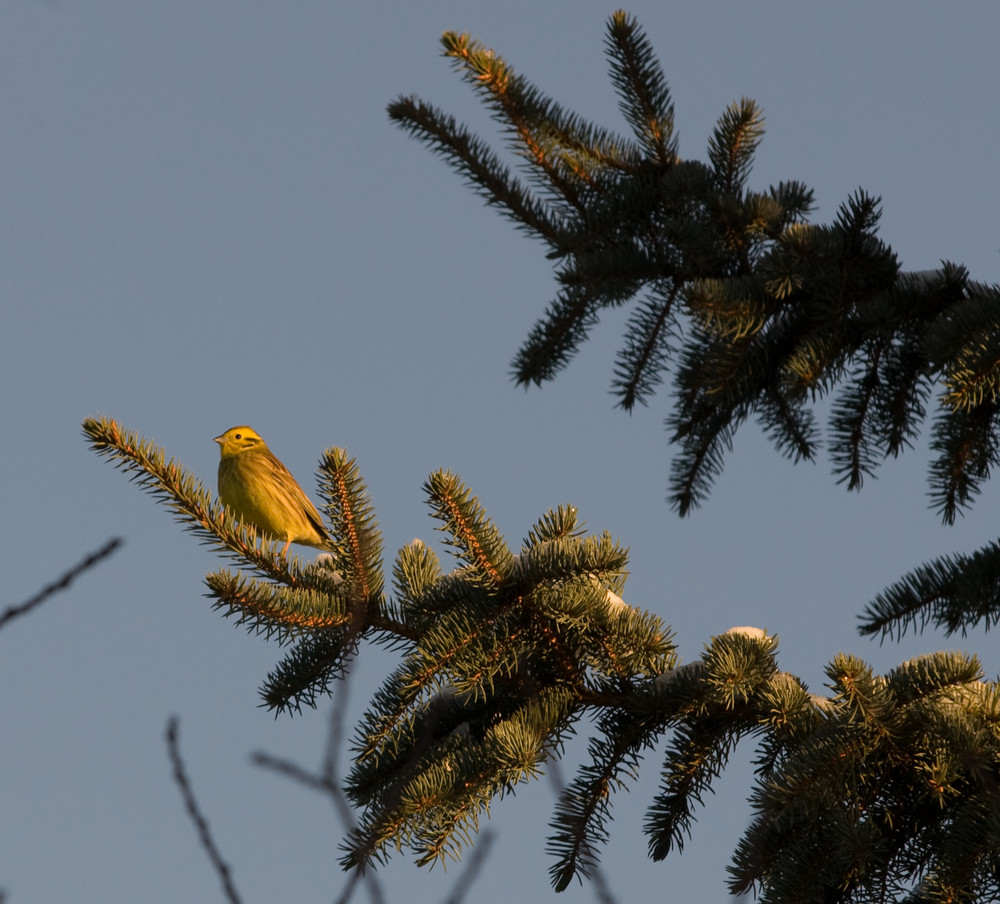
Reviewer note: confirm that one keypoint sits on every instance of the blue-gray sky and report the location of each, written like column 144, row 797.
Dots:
column 206, row 219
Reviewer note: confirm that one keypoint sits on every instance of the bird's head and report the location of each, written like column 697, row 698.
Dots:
column 238, row 439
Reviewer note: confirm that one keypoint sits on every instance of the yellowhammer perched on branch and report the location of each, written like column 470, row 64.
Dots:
column 262, row 491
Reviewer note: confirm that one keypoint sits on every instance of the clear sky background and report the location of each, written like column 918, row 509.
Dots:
column 206, row 219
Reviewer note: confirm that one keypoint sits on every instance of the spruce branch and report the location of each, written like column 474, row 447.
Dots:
column 479, row 165
column 789, row 425
column 276, row 611
column 555, row 338
column 640, row 366
column 781, row 311
column 971, row 333
column 579, row 823
column 890, row 782
column 557, row 524
column 875, row 802
column 642, row 88
column 737, row 135
column 521, row 109
column 953, row 593
column 415, row 576
column 498, row 677
column 696, row 757
column 562, row 150
column 328, row 608
column 713, row 703
column 851, row 422
column 705, row 440
column 472, row 534
column 968, row 447
column 358, row 558
column 170, row 484
column 309, row 669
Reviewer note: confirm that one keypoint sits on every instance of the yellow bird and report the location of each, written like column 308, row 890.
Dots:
column 262, row 491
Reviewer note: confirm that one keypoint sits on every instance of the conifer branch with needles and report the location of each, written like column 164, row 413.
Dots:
column 504, row 659
column 742, row 308
column 795, row 311
column 185, row 495
column 885, row 788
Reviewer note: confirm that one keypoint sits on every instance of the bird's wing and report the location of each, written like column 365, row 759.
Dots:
column 282, row 477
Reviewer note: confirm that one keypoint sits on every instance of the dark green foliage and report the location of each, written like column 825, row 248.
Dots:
column 884, row 791
column 324, row 610
column 512, row 650
column 256, row 604
column 757, row 313
column 716, row 701
column 954, row 593
column 644, row 97
column 732, row 146
column 358, row 557
column 500, row 657
column 891, row 797
column 307, row 672
column 743, row 307
column 580, row 823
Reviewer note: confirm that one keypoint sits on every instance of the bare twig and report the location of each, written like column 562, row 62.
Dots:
column 180, row 776
column 328, row 785
column 290, row 770
column 335, row 738
column 374, row 889
column 62, row 583
column 327, row 782
column 475, row 863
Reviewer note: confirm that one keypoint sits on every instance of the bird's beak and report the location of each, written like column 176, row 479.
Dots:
column 219, row 439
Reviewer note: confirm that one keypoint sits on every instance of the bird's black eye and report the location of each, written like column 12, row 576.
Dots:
column 238, row 436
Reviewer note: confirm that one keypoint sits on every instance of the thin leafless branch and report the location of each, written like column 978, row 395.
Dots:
column 204, row 835
column 61, row 583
